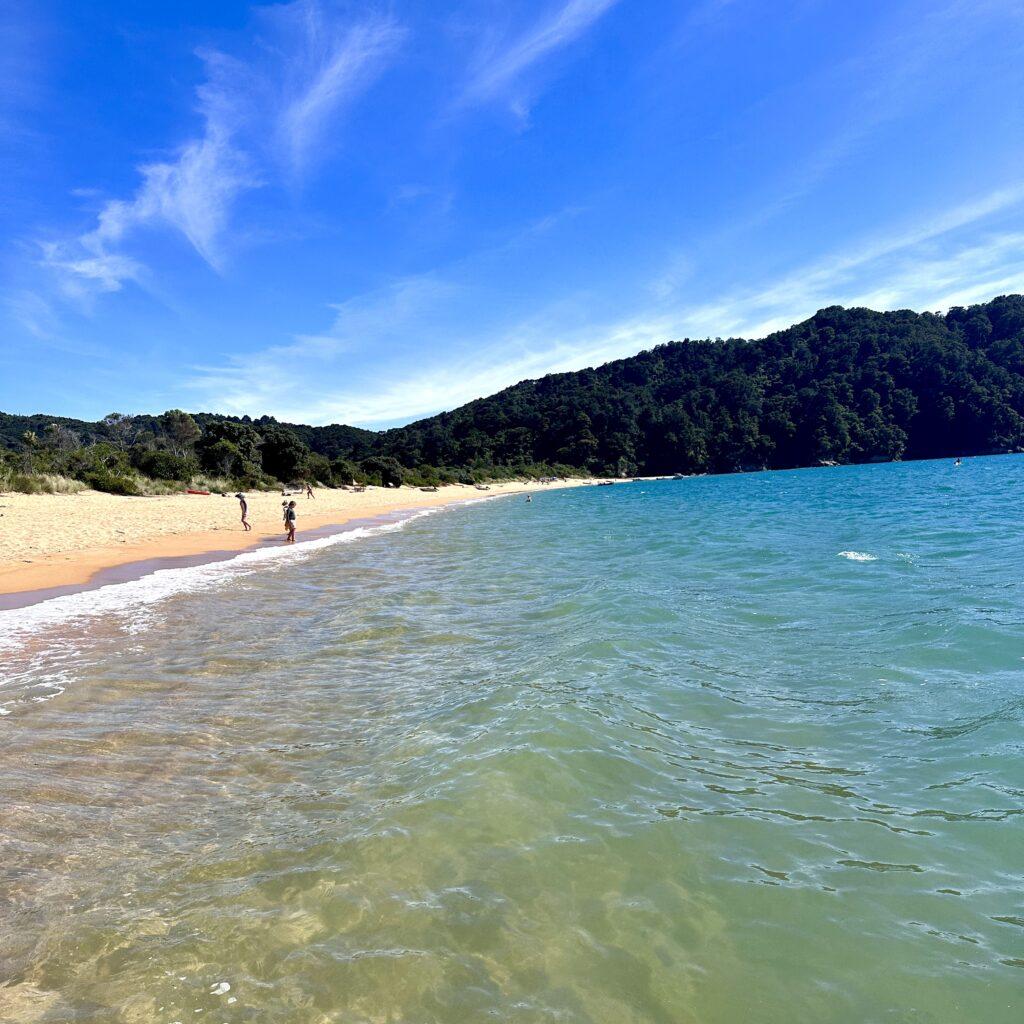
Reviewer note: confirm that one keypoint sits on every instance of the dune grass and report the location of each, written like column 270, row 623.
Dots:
column 129, row 482
column 39, row 483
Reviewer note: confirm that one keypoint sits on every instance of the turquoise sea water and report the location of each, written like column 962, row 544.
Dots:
column 719, row 750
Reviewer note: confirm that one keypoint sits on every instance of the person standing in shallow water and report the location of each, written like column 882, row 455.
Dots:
column 289, row 522
column 245, row 511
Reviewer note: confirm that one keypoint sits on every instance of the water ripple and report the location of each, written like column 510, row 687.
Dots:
column 648, row 755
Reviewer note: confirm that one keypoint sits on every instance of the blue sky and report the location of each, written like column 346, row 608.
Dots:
column 366, row 213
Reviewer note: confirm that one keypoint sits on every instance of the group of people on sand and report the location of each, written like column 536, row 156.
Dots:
column 288, row 514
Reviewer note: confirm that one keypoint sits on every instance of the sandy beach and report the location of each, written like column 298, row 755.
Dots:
column 56, row 540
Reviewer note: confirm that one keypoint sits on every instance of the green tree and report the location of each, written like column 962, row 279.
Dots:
column 316, row 468
column 120, row 429
column 343, row 472
column 284, row 455
column 162, row 465
column 180, row 429
column 242, row 457
column 384, row 470
column 224, row 458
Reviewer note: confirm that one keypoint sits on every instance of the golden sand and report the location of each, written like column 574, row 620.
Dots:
column 54, row 540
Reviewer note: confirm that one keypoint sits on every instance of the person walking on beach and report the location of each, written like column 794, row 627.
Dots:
column 289, row 521
column 309, row 490
column 245, row 511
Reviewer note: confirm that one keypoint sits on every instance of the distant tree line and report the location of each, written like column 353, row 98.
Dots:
column 847, row 385
column 153, row 454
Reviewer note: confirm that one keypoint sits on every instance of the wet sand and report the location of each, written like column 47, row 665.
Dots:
column 53, row 543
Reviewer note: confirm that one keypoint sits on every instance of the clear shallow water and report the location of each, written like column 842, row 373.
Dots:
column 717, row 750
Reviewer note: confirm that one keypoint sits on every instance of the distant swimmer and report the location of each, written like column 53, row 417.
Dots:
column 958, row 462
column 289, row 521
column 529, row 499
column 245, row 511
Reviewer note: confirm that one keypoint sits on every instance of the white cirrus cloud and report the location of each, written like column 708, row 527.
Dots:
column 272, row 110
column 501, row 64
column 926, row 265
column 330, row 65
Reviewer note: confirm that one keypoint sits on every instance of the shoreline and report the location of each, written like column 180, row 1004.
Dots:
column 138, row 568
column 70, row 567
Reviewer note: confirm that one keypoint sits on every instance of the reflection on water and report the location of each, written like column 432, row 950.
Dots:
column 654, row 753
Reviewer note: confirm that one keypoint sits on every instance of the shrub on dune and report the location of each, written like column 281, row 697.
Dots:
column 107, row 480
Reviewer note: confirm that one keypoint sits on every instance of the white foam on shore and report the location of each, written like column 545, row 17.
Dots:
column 134, row 596
column 858, row 556
column 53, row 685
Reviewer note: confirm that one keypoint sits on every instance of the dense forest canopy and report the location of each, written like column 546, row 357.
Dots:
column 847, row 385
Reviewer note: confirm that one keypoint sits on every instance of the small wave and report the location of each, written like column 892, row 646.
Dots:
column 858, row 556
column 480, row 501
column 38, row 693
column 135, row 596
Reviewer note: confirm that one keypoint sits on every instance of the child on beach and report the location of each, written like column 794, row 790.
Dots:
column 245, row 511
column 289, row 521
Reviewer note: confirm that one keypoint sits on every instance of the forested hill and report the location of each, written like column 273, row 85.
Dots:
column 847, row 385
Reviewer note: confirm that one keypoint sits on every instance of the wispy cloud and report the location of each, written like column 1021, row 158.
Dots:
column 82, row 271
column 20, row 67
column 525, row 352
column 191, row 194
column 311, row 66
column 948, row 259
column 281, row 379
column 926, row 265
column 328, row 65
column 278, row 377
column 42, row 323
column 913, row 60
column 33, row 313
column 501, row 66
